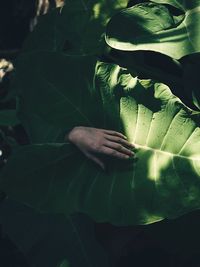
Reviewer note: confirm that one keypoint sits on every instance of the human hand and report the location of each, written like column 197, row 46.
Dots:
column 94, row 143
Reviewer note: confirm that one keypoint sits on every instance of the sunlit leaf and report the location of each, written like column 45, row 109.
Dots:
column 180, row 4
column 151, row 26
column 163, row 183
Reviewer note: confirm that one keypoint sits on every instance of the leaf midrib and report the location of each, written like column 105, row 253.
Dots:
column 166, row 152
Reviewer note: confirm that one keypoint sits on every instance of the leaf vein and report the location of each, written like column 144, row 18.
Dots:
column 168, row 130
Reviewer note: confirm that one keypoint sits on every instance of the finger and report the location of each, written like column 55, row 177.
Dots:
column 120, row 148
column 119, row 140
column 97, row 160
column 113, row 153
column 115, row 133
column 39, row 9
column 46, row 7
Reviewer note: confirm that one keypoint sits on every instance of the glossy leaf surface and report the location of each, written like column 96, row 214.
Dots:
column 152, row 26
column 162, row 183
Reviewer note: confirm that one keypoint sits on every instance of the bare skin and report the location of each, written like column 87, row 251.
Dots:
column 94, row 143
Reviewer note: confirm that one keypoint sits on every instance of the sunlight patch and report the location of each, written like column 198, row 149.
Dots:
column 157, row 163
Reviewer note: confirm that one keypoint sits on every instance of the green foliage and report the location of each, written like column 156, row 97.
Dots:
column 52, row 240
column 8, row 118
column 151, row 26
column 64, row 264
column 74, row 88
column 139, row 84
column 77, row 28
column 60, row 95
column 165, row 131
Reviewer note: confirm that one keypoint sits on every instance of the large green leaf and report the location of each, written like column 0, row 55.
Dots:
column 183, row 5
column 151, row 26
column 52, row 240
column 60, row 95
column 163, row 183
column 77, row 28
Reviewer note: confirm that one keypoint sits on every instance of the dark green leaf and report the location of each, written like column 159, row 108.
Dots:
column 191, row 65
column 77, row 28
column 60, row 96
column 64, row 264
column 52, row 240
column 8, row 118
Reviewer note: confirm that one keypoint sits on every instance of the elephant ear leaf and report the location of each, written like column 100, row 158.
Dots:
column 59, row 97
column 152, row 26
column 76, row 28
column 164, row 181
column 180, row 4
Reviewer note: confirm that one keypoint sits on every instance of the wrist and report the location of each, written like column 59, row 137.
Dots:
column 71, row 135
